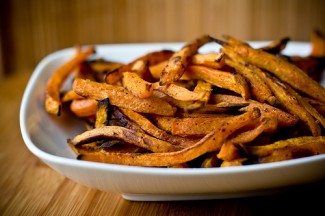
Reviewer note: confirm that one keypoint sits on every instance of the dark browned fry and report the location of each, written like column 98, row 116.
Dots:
column 129, row 136
column 210, row 143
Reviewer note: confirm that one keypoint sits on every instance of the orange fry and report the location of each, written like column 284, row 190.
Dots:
column 284, row 70
column 122, row 98
column 210, row 143
column 175, row 68
column 54, row 84
column 84, row 107
column 222, row 79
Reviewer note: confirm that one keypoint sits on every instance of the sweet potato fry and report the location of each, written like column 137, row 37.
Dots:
column 287, row 149
column 229, row 150
column 147, row 126
column 54, row 84
column 199, row 126
column 152, row 58
column 290, row 102
column 211, row 142
column 84, row 107
column 120, row 97
column 139, row 139
column 284, row 70
column 176, row 65
column 179, row 92
column 212, row 60
column 203, row 88
column 284, row 119
column 103, row 66
column 222, row 79
column 103, row 113
column 259, row 89
column 136, row 85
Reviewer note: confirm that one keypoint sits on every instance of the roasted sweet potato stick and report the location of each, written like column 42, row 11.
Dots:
column 176, row 65
column 284, row 119
column 129, row 136
column 259, row 89
column 179, row 92
column 103, row 113
column 213, row 60
column 284, row 70
column 84, row 107
column 136, row 85
column 54, row 84
column 222, row 79
column 211, row 142
column 120, row 97
column 290, row 102
column 146, row 125
column 288, row 149
column 152, row 58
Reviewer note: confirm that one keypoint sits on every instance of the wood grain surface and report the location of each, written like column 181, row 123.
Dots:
column 30, row 187
column 32, row 29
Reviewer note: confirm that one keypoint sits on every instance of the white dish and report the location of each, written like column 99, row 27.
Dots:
column 45, row 136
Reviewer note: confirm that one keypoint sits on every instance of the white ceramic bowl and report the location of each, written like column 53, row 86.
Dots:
column 45, row 136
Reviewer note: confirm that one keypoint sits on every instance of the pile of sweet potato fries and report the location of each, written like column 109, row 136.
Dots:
column 181, row 108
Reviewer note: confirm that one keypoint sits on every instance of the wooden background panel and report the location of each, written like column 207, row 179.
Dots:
column 32, row 29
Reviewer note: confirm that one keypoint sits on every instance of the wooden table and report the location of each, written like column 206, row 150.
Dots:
column 29, row 187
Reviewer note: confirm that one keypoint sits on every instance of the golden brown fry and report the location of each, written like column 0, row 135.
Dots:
column 178, row 92
column 229, row 150
column 136, row 85
column 69, row 96
column 284, row 70
column 292, row 148
column 175, row 68
column 290, row 102
column 210, row 143
column 312, row 111
column 199, row 126
column 212, row 60
column 163, row 122
column 54, row 84
column 84, row 107
column 284, row 119
column 222, row 79
column 136, row 138
column 103, row 66
column 259, row 89
column 152, row 58
column 204, row 88
column 146, row 125
column 122, row 98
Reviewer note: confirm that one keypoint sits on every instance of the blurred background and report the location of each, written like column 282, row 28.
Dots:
column 32, row 29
